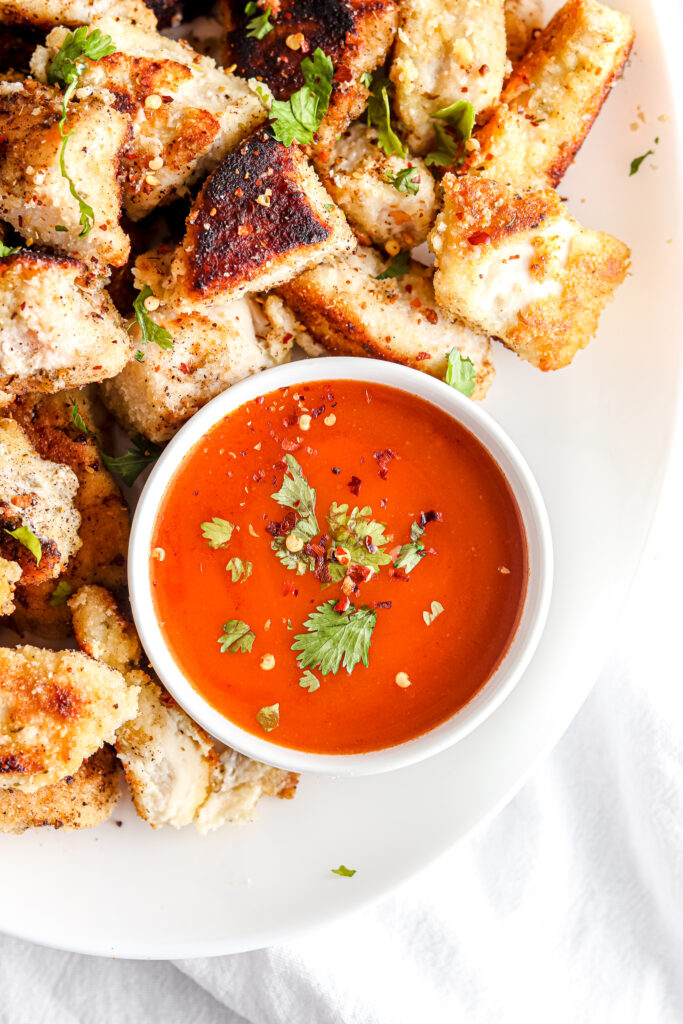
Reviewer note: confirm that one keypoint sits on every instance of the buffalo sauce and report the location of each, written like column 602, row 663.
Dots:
column 442, row 625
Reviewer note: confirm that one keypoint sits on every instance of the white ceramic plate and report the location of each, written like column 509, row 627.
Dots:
column 596, row 436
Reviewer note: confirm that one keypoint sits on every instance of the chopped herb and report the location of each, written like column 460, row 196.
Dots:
column 309, row 681
column 405, row 180
column 328, row 206
column 78, row 420
column 344, row 872
column 237, row 637
column 149, row 329
column 61, row 594
column 451, row 136
column 396, row 267
column 133, row 462
column 366, row 79
column 360, row 535
column 635, row 164
column 65, row 70
column 460, row 373
column 60, row 227
column 262, row 91
column 379, row 117
column 239, row 570
column 269, row 717
column 28, row 540
column 259, row 26
column 289, row 624
column 412, row 553
column 334, row 639
column 296, row 493
column 217, row 532
column 5, row 250
column 435, row 610
column 299, row 117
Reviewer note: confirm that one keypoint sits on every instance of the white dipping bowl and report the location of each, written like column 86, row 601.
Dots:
column 534, row 612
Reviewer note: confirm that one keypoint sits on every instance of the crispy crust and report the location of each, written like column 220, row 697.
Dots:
column 82, row 800
column 102, row 632
column 523, row 20
column 46, row 14
column 10, row 574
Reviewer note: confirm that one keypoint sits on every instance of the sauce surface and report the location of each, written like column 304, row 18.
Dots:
column 436, row 474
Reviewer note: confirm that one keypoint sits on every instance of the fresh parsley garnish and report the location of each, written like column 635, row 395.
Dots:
column 366, row 79
column 458, row 122
column 360, row 535
column 412, row 553
column 217, row 532
column 406, row 180
column 65, row 70
column 237, row 637
column 344, row 872
column 61, row 594
column 635, row 164
column 239, row 570
column 335, row 638
column 5, row 250
column 298, row 118
column 379, row 117
column 269, row 717
column 78, row 420
column 259, row 26
column 28, row 540
column 149, row 330
column 133, row 462
column 309, row 681
column 396, row 267
column 296, row 493
column 460, row 373
column 436, row 608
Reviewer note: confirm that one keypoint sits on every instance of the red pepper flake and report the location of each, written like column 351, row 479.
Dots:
column 431, row 316
column 290, row 446
column 184, row 368
column 354, row 485
column 342, row 604
column 360, row 573
column 422, row 355
column 258, row 476
column 239, row 193
column 398, row 574
column 244, row 229
column 383, row 459
column 289, row 588
column 336, row 470
column 383, row 604
column 287, row 337
column 479, row 238
column 372, row 548
column 317, row 412
column 430, row 517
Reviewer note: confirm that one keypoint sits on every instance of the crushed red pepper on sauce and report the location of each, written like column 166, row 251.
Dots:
column 470, row 556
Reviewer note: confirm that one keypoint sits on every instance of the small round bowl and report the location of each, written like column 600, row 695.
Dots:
column 534, row 612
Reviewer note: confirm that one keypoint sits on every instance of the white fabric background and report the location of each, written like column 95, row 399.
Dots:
column 567, row 907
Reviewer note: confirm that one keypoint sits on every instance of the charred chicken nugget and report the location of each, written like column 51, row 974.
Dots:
column 354, row 34
column 46, row 14
column 553, row 96
column 58, row 327
column 77, row 801
column 36, row 507
column 518, row 266
column 35, row 197
column 185, row 112
column 350, row 312
column 446, row 52
column 261, row 218
column 56, row 709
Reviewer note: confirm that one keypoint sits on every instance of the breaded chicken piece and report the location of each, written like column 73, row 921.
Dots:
column 171, row 764
column 355, row 34
column 523, row 20
column 46, row 14
column 105, row 525
column 215, row 344
column 34, row 195
column 185, row 112
column 36, row 495
column 260, row 219
column 553, row 96
column 58, row 326
column 446, row 52
column 10, row 574
column 357, row 179
column 78, row 801
column 518, row 266
column 350, row 312
column 56, row 709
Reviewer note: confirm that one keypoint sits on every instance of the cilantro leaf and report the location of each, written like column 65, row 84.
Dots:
column 379, row 116
column 366, row 79
column 149, row 329
column 412, row 553
column 237, row 637
column 460, row 373
column 239, row 570
column 406, row 180
column 344, row 872
column 259, row 26
column 296, row 493
column 299, row 117
column 635, row 164
column 217, row 532
column 396, row 267
column 309, row 681
column 436, row 609
column 28, row 540
column 78, row 420
column 5, row 250
column 134, row 461
column 459, row 118
column 334, row 639
column 269, row 717
column 61, row 594
column 354, row 531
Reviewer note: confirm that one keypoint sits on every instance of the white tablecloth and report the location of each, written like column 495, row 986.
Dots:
column 565, row 908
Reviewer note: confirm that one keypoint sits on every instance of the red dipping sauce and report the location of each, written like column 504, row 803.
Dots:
column 442, row 611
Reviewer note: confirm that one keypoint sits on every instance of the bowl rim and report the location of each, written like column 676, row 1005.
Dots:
column 529, row 628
